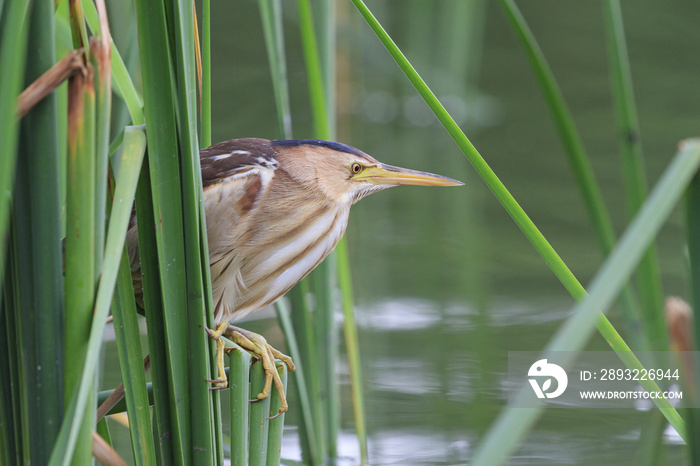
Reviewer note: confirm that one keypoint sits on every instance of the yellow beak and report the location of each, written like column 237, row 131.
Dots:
column 382, row 174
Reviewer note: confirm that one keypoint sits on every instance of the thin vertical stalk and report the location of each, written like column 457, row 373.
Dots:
column 205, row 141
column 239, row 381
column 9, row 423
column 271, row 16
column 313, row 70
column 80, row 275
column 648, row 273
column 353, row 350
column 308, row 354
column 692, row 214
column 128, row 337
column 325, row 22
column 78, row 29
column 13, row 48
column 201, row 416
column 159, row 111
column 324, row 279
column 307, row 431
column 205, row 134
column 326, row 334
column 100, row 56
column 102, row 86
column 153, row 306
column 15, row 398
column 216, row 396
column 259, row 413
column 128, row 340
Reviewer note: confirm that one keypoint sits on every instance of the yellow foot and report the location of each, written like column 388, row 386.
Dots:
column 220, row 382
column 257, row 345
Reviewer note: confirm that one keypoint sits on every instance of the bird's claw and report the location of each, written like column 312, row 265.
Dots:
column 260, row 349
column 219, row 384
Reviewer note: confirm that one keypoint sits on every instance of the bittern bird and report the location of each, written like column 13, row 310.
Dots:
column 274, row 211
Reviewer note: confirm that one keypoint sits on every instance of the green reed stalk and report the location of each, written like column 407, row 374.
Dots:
column 353, row 348
column 239, row 381
column 203, row 448
column 13, row 49
column 101, row 64
column 160, row 115
column 307, row 430
column 205, row 133
column 308, row 355
column 80, row 274
column 324, row 12
column 259, row 413
column 153, row 307
column 128, row 341
column 314, row 74
column 14, row 408
column 648, row 274
column 205, row 141
column 273, row 29
column 692, row 215
column 326, row 334
column 128, row 337
column 8, row 357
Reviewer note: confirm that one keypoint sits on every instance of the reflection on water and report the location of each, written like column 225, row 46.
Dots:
column 399, row 315
column 348, row 449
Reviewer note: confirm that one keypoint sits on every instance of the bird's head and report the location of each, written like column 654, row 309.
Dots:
column 346, row 174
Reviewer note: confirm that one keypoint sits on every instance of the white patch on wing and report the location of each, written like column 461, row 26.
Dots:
column 225, row 156
column 265, row 175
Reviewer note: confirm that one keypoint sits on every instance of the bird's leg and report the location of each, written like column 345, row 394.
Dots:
column 257, row 345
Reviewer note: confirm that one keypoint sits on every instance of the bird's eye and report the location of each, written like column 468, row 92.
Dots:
column 355, row 168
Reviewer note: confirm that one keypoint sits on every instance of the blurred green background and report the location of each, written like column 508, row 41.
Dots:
column 445, row 284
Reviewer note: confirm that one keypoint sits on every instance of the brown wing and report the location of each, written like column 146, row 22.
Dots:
column 239, row 162
column 235, row 157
